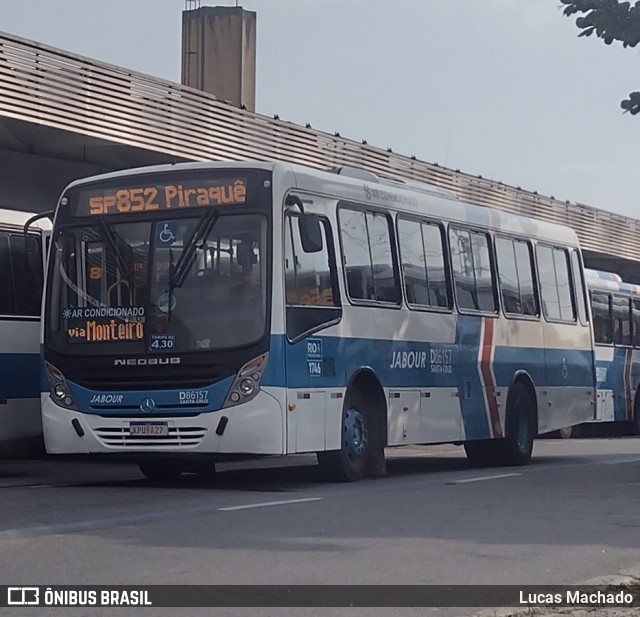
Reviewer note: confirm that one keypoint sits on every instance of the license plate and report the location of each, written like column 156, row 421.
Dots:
column 149, row 429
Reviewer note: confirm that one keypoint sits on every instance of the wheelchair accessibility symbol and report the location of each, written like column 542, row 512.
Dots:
column 167, row 233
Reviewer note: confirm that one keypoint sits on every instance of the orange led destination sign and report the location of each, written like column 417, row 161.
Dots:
column 158, row 197
column 93, row 331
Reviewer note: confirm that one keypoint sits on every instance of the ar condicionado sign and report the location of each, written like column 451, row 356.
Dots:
column 159, row 197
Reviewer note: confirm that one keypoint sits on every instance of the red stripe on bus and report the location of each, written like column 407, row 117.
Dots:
column 487, row 376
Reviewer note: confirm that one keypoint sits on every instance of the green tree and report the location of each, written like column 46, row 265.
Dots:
column 610, row 21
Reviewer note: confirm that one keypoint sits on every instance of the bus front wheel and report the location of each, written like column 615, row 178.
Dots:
column 349, row 463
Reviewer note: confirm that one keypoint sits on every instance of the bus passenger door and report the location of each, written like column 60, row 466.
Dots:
column 311, row 305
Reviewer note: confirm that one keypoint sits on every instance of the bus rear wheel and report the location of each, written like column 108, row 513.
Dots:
column 349, row 463
column 634, row 424
column 517, row 446
column 482, row 453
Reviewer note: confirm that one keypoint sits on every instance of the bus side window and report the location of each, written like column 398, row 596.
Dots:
column 367, row 251
column 579, row 287
column 472, row 270
column 6, row 297
column 621, row 313
column 354, row 283
column 517, row 283
column 21, row 274
column 423, row 267
column 600, row 305
column 635, row 315
column 555, row 284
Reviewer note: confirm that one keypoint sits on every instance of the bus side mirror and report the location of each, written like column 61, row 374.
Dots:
column 310, row 233
column 36, row 217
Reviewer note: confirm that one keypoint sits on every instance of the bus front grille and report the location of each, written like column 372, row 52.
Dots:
column 177, row 436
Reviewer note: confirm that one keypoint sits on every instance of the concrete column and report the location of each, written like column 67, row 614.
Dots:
column 219, row 53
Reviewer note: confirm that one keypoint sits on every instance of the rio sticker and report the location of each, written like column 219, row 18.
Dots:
column 314, row 357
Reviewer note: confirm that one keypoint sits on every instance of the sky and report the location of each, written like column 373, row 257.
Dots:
column 499, row 88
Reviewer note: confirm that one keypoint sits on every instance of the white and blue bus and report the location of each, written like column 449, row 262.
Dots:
column 615, row 306
column 204, row 309
column 22, row 258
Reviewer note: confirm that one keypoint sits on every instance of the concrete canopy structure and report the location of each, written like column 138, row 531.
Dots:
column 63, row 116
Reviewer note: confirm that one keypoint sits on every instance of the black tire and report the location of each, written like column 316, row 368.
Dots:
column 517, row 446
column 205, row 469
column 350, row 463
column 160, row 470
column 482, row 453
column 634, row 424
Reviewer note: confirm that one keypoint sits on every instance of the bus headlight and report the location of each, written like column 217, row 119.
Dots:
column 60, row 392
column 58, row 387
column 246, row 385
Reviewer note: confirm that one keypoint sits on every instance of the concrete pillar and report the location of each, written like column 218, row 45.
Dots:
column 219, row 53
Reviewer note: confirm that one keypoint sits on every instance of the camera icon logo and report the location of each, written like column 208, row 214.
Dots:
column 23, row 596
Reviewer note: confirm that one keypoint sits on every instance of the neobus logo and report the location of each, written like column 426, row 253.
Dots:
column 145, row 361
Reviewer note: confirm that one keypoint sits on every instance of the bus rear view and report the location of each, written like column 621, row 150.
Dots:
column 157, row 319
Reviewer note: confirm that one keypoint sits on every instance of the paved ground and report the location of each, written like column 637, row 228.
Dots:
column 568, row 517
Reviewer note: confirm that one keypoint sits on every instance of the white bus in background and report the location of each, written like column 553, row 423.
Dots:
column 198, row 310
column 615, row 306
column 22, row 259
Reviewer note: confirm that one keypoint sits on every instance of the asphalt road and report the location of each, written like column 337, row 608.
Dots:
column 568, row 517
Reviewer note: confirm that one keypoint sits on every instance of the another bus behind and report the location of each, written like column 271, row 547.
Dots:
column 615, row 306
column 21, row 281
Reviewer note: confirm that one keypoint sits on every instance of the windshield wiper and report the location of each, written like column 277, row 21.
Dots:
column 202, row 230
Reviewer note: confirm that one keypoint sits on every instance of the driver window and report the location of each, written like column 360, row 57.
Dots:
column 308, row 276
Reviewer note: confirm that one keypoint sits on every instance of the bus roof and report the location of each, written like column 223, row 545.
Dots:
column 598, row 280
column 20, row 217
column 365, row 187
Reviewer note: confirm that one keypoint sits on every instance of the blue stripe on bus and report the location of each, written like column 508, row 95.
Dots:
column 615, row 380
column 329, row 362
column 175, row 401
column 19, row 375
column 409, row 364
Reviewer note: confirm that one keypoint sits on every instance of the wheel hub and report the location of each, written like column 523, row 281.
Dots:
column 355, row 434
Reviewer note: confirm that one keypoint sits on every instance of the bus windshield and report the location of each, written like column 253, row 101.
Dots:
column 186, row 284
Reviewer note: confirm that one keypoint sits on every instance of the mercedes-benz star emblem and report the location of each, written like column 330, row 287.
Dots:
column 148, row 405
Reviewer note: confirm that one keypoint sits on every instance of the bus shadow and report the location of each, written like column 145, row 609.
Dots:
column 288, row 477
